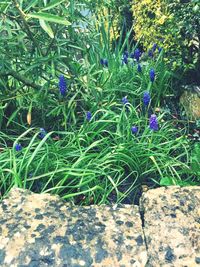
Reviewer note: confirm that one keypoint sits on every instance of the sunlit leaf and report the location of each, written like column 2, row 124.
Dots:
column 53, row 4
column 50, row 18
column 46, row 27
column 31, row 4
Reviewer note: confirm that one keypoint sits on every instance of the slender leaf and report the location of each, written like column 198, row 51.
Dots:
column 46, row 27
column 50, row 18
column 53, row 4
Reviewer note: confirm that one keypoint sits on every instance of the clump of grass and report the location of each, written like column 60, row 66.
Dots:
column 98, row 159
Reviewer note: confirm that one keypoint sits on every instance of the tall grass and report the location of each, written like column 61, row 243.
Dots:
column 101, row 161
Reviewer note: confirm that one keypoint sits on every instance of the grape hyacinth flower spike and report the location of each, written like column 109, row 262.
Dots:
column 125, row 100
column 137, row 54
column 154, row 47
column 134, row 129
column 18, row 147
column 150, row 53
column 146, row 98
column 152, row 75
column 42, row 133
column 126, row 54
column 62, row 85
column 104, row 62
column 153, row 123
column 124, row 60
column 88, row 116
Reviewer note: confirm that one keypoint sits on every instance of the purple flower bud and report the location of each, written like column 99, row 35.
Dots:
column 150, row 53
column 159, row 49
column 152, row 75
column 18, row 147
column 104, row 62
column 125, row 53
column 88, row 116
column 125, row 100
column 154, row 47
column 134, row 129
column 137, row 54
column 153, row 123
column 146, row 98
column 139, row 68
column 42, row 133
column 124, row 60
column 62, row 85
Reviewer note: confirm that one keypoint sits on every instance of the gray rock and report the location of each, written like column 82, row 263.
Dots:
column 173, row 238
column 41, row 230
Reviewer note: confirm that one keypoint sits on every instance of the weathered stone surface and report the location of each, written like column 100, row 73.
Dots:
column 41, row 230
column 172, row 226
column 190, row 100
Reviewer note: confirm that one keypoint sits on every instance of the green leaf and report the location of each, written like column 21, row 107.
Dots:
column 165, row 181
column 31, row 4
column 50, row 18
column 53, row 4
column 46, row 27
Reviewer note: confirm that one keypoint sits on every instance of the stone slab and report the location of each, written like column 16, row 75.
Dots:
column 38, row 230
column 172, row 226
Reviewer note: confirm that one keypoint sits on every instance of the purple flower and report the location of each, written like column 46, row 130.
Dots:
column 88, row 116
column 146, row 98
column 62, row 85
column 125, row 100
column 153, row 123
column 126, row 53
column 134, row 129
column 132, row 55
column 18, row 147
column 42, row 133
column 137, row 54
column 124, row 59
column 104, row 62
column 152, row 75
column 159, row 49
column 150, row 53
column 139, row 68
column 154, row 47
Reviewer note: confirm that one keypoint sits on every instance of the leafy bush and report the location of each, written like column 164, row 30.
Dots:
column 174, row 25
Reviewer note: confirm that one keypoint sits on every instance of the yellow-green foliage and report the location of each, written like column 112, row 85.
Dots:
column 110, row 20
column 152, row 22
column 173, row 25
column 110, row 14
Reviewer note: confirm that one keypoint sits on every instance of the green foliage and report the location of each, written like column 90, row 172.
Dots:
column 95, row 161
column 184, row 25
column 98, row 161
column 174, row 25
column 36, row 48
column 195, row 159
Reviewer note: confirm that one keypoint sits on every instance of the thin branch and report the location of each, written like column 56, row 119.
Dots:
column 21, row 78
column 26, row 26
